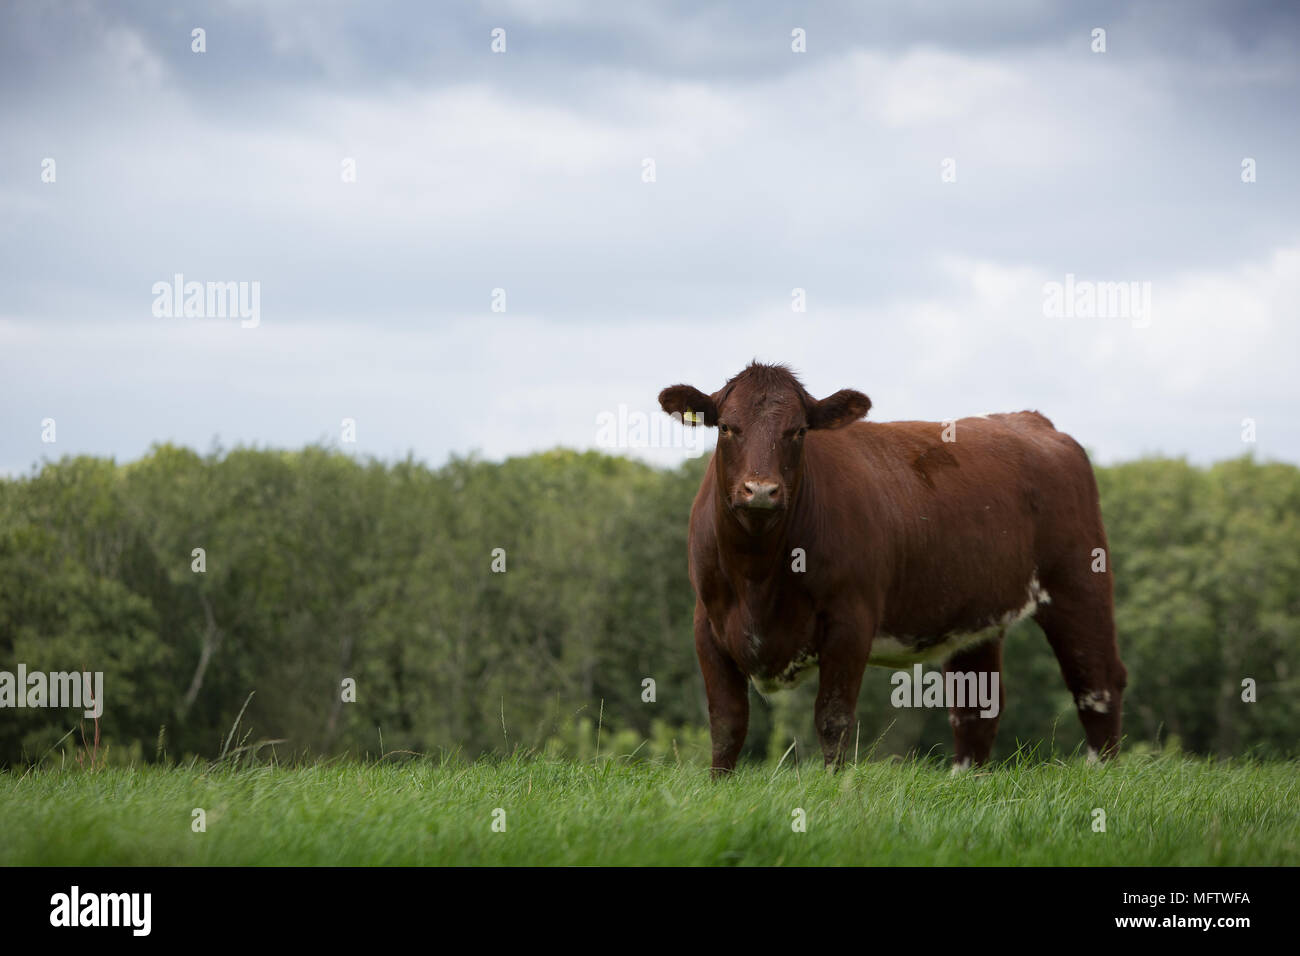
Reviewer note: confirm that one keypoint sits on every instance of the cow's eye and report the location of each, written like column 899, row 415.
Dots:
column 796, row 433
column 724, row 430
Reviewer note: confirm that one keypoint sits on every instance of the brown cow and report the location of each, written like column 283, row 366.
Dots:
column 913, row 547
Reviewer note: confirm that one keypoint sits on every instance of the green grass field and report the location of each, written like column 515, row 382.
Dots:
column 1159, row 810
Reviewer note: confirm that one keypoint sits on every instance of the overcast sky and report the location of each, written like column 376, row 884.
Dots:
column 923, row 174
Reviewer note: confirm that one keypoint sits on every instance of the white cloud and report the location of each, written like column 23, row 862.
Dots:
column 1222, row 347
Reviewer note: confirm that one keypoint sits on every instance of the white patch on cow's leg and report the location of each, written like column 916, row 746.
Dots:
column 1093, row 756
column 959, row 766
column 1096, row 700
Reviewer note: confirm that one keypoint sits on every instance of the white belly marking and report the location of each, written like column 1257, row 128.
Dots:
column 890, row 651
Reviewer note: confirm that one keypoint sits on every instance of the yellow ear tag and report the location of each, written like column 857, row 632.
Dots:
column 695, row 418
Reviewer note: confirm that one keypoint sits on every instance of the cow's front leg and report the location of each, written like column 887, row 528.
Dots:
column 728, row 694
column 840, row 665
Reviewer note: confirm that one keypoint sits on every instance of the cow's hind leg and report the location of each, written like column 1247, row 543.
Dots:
column 1080, row 626
column 972, row 733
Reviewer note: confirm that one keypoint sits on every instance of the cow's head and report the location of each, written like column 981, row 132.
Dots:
column 762, row 416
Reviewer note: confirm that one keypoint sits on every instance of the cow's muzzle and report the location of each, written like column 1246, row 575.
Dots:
column 760, row 496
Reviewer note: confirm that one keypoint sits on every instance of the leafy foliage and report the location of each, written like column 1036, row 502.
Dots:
column 320, row 568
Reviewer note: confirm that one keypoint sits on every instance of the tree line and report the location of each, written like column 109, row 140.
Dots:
column 375, row 607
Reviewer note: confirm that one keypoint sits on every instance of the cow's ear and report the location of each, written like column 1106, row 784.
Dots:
column 835, row 411
column 694, row 407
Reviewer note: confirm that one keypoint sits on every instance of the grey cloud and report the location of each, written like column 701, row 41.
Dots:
column 523, row 171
